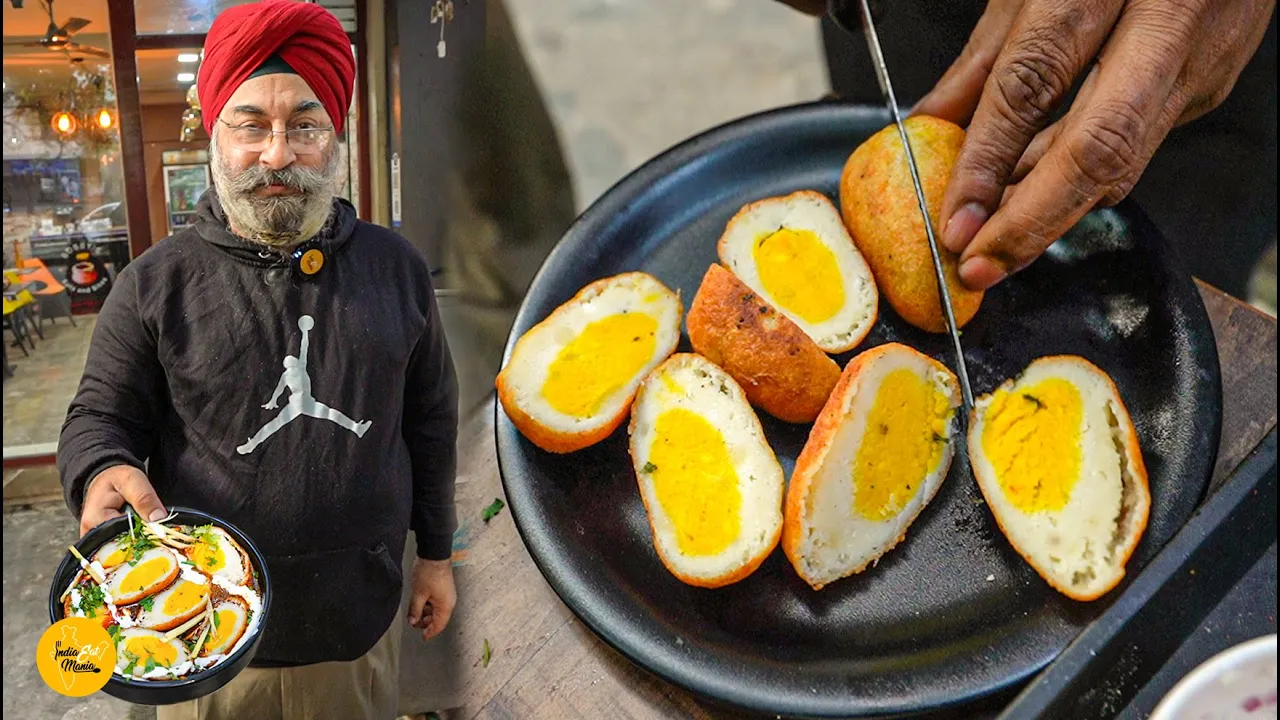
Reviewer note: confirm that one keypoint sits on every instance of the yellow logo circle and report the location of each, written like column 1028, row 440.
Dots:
column 312, row 261
column 75, row 656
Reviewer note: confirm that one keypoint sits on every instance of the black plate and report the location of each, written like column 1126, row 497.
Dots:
column 167, row 692
column 925, row 629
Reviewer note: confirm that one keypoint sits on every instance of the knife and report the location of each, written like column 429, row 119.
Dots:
column 841, row 13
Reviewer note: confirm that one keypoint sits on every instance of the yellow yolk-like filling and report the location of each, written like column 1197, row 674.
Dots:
column 208, row 556
column 799, row 273
column 222, row 632
column 147, row 646
column 903, row 442
column 116, row 557
column 599, row 362
column 1031, row 436
column 145, row 575
column 185, row 597
column 695, row 481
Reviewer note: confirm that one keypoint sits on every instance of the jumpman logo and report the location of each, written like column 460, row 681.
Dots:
column 296, row 380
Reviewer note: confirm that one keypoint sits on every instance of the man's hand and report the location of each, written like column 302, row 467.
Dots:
column 113, row 488
column 433, row 598
column 1019, row 185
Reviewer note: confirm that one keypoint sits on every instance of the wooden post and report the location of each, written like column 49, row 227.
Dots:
column 124, row 63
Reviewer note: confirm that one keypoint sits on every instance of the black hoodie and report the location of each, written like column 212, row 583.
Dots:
column 191, row 344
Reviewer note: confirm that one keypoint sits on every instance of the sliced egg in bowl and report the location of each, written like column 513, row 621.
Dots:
column 112, row 554
column 176, row 604
column 216, row 553
column 875, row 457
column 230, row 618
column 572, row 377
column 796, row 253
column 139, row 651
column 711, row 485
column 154, row 570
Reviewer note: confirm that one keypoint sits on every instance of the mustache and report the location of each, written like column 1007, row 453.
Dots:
column 304, row 180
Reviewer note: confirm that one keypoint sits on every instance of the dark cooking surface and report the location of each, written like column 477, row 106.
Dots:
column 924, row 629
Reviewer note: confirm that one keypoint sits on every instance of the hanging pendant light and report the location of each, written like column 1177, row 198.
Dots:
column 64, row 123
column 105, row 121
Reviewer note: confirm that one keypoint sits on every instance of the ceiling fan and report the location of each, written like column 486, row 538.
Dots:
column 58, row 39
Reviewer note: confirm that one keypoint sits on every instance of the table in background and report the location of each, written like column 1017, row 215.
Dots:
column 546, row 664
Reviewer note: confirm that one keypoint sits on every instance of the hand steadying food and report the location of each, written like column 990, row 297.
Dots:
column 1021, row 182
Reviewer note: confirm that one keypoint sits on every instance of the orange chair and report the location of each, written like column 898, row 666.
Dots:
column 51, row 295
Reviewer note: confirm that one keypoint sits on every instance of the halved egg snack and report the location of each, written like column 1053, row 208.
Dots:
column 138, row 649
column 154, row 571
column 780, row 368
column 796, row 253
column 113, row 553
column 874, row 459
column 176, row 604
column 1057, row 458
column 86, row 600
column 572, row 377
column 216, row 553
column 231, row 617
column 710, row 483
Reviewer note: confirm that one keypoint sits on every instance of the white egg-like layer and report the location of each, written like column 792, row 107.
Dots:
column 689, row 383
column 812, row 212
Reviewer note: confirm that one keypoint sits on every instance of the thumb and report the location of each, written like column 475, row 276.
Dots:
column 138, row 492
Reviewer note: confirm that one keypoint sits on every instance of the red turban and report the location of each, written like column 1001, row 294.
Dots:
column 306, row 36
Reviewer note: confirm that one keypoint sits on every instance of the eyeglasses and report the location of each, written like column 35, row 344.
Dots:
column 255, row 138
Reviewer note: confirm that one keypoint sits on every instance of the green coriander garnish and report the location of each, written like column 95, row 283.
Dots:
column 147, row 603
column 91, row 598
column 216, row 621
column 648, row 468
column 204, row 534
column 151, row 665
column 492, row 511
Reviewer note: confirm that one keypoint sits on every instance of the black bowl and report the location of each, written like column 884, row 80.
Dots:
column 168, row 692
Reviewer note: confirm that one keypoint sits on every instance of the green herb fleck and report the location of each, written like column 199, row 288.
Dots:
column 492, row 511
column 487, row 655
column 216, row 621
column 723, row 390
column 649, row 468
column 91, row 598
column 151, row 665
column 114, row 631
column 136, row 542
column 1039, row 403
column 133, row 663
column 147, row 603
column 204, row 534
column 210, row 561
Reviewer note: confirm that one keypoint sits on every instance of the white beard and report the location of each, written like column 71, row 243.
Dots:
column 281, row 222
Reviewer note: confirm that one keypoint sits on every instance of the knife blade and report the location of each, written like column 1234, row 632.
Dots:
column 839, row 12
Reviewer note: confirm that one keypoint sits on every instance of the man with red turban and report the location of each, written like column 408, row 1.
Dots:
column 282, row 365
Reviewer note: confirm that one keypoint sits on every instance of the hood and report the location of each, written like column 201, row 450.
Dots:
column 211, row 226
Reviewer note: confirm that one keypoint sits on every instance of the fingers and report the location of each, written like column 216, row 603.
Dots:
column 417, row 602
column 138, row 492
column 956, row 94
column 439, row 620
column 1100, row 151
column 1049, row 44
column 1044, row 139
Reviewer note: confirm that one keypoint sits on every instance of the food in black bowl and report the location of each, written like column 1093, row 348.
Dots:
column 184, row 599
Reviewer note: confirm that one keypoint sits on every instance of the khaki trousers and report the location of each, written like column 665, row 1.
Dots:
column 366, row 688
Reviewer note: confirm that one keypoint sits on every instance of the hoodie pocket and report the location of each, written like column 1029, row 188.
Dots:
column 329, row 606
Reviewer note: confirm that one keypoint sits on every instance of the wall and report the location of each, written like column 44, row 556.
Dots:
column 161, row 128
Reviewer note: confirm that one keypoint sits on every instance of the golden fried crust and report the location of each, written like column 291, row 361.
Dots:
column 780, row 368
column 1133, row 455
column 879, row 206
column 815, row 450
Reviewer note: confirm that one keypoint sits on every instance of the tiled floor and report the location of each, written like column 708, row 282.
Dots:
column 36, row 397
